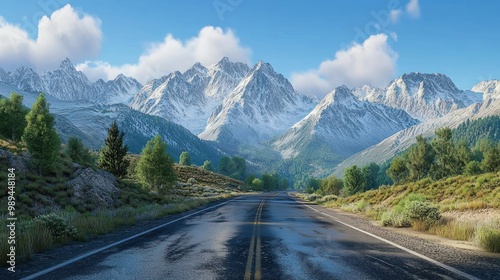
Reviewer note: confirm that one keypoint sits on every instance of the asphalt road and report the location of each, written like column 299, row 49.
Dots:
column 266, row 236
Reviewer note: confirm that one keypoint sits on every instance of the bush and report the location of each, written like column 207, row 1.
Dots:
column 394, row 218
column 422, row 213
column 56, row 224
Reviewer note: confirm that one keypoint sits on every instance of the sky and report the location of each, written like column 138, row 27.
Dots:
column 317, row 46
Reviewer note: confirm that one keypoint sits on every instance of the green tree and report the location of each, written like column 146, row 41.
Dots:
column 461, row 156
column 444, row 148
column 331, row 185
column 491, row 157
column 398, row 171
column 257, row 184
column 155, row 167
column 226, row 166
column 473, row 168
column 370, row 172
column 185, row 159
column 41, row 137
column 207, row 165
column 269, row 182
column 240, row 168
column 354, row 181
column 112, row 154
column 13, row 116
column 420, row 159
column 78, row 152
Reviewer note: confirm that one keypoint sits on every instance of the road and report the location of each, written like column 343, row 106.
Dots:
column 265, row 236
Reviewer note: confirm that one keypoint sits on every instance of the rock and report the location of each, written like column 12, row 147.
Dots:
column 99, row 186
column 20, row 163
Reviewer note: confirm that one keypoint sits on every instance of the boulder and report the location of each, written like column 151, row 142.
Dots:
column 99, row 186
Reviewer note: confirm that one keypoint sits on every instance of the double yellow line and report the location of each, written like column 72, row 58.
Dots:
column 255, row 246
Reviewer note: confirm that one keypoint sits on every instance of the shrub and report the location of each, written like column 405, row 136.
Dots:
column 56, row 224
column 422, row 213
column 395, row 219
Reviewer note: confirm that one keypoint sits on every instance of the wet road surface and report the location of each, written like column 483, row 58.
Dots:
column 265, row 236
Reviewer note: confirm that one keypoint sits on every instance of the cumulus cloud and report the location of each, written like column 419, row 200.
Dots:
column 372, row 62
column 413, row 8
column 66, row 33
column 208, row 47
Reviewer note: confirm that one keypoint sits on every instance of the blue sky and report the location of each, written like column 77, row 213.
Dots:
column 316, row 45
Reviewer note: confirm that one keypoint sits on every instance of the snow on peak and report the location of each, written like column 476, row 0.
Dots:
column 489, row 89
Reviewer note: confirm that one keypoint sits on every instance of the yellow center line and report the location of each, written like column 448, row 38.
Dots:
column 255, row 246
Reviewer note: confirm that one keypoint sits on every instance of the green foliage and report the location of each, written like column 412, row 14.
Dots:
column 420, row 159
column 78, row 152
column 185, row 159
column 41, row 137
column 444, row 148
column 234, row 167
column 331, row 185
column 489, row 238
column 207, row 165
column 155, row 167
column 370, row 172
column 312, row 185
column 56, row 224
column 257, row 184
column 398, row 170
column 354, row 180
column 112, row 154
column 423, row 212
column 473, row 168
column 491, row 156
column 473, row 131
column 13, row 116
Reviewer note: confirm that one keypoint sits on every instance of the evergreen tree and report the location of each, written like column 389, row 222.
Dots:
column 444, row 148
column 398, row 171
column 112, row 154
column 185, row 159
column 370, row 172
column 461, row 156
column 491, row 157
column 331, row 185
column 420, row 159
column 13, row 116
column 226, row 166
column 41, row 137
column 240, row 168
column 155, row 167
column 78, row 152
column 207, row 165
column 354, row 181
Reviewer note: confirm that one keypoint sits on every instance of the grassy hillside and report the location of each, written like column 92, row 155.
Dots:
column 461, row 207
column 50, row 214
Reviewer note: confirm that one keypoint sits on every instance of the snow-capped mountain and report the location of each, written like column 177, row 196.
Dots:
column 263, row 105
column 173, row 98
column 423, row 96
column 343, row 124
column 68, row 84
column 223, row 79
column 403, row 139
column 489, row 89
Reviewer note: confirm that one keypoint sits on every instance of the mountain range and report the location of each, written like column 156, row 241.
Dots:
column 231, row 108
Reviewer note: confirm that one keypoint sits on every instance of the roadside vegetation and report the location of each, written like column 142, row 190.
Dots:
column 429, row 186
column 62, row 193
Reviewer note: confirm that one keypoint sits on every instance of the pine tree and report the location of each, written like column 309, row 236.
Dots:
column 41, row 137
column 226, row 166
column 78, row 152
column 155, row 167
column 112, row 154
column 354, row 181
column 185, row 159
column 13, row 116
column 420, row 159
column 370, row 172
column 444, row 148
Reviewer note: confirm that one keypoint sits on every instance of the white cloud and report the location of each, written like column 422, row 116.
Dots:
column 413, row 8
column 395, row 15
column 373, row 62
column 64, row 34
column 208, row 47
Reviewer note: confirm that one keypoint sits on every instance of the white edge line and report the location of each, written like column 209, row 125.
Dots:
column 50, row 269
column 442, row 265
